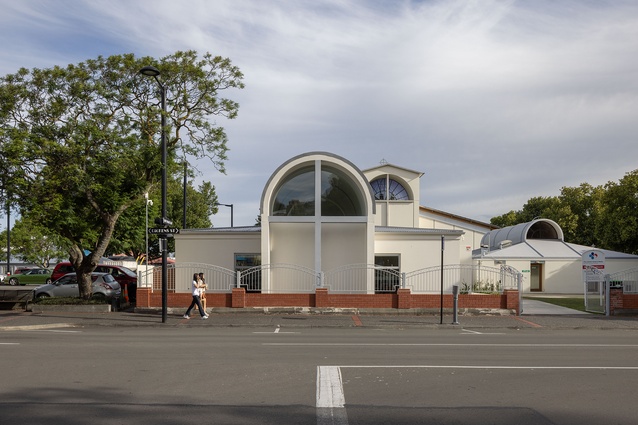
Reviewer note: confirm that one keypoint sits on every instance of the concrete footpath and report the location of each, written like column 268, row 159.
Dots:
column 545, row 318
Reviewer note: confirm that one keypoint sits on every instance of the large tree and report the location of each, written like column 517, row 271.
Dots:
column 601, row 216
column 80, row 144
column 32, row 243
column 129, row 235
column 618, row 224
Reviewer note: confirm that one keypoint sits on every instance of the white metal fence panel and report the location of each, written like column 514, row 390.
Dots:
column 595, row 291
column 469, row 278
column 279, row 278
column 361, row 279
column 180, row 276
column 627, row 279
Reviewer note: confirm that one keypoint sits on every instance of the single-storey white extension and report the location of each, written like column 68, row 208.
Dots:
column 548, row 263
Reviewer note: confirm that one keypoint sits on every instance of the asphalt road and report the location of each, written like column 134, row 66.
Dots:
column 294, row 369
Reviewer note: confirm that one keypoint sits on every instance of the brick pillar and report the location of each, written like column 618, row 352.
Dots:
column 616, row 300
column 404, row 298
column 143, row 297
column 321, row 297
column 512, row 300
column 238, row 298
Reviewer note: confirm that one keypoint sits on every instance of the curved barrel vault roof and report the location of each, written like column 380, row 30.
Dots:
column 541, row 228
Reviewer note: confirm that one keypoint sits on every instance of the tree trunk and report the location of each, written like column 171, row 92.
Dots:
column 85, row 264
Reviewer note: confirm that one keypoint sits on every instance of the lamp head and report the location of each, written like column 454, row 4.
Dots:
column 150, row 71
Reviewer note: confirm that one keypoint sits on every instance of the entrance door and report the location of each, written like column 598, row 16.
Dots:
column 536, row 277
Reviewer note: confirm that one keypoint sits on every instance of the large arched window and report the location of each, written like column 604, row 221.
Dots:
column 339, row 197
column 386, row 188
column 296, row 196
column 338, row 194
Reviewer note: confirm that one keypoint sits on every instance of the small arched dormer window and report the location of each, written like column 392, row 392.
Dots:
column 386, row 188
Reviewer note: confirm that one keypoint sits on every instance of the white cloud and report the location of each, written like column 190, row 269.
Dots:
column 496, row 101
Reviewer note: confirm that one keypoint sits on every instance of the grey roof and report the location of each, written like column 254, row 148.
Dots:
column 387, row 164
column 380, row 229
column 546, row 249
column 416, row 230
column 239, row 229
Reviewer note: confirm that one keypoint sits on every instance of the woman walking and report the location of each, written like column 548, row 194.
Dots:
column 195, row 289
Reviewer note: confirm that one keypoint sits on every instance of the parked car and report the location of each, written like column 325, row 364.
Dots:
column 104, row 286
column 123, row 275
column 2, row 277
column 31, row 277
column 21, row 270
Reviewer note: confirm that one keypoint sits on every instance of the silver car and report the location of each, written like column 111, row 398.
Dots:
column 104, row 286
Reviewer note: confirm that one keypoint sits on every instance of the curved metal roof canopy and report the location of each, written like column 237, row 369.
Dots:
column 541, row 228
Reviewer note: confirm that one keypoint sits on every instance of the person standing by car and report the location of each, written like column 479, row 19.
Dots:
column 195, row 289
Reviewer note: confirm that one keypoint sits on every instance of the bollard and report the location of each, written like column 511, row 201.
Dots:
column 115, row 304
column 455, row 310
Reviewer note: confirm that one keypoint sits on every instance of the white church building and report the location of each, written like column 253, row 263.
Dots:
column 321, row 214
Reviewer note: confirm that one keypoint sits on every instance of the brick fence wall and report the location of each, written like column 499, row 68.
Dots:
column 322, row 298
column 621, row 303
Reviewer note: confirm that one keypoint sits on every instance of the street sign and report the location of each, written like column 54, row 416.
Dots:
column 163, row 230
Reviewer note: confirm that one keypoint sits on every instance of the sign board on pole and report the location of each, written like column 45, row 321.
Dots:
column 593, row 265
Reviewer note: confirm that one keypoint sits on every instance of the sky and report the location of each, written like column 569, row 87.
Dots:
column 495, row 102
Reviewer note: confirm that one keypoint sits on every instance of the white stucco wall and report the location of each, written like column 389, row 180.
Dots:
column 292, row 243
column 471, row 239
column 343, row 244
column 214, row 248
column 417, row 253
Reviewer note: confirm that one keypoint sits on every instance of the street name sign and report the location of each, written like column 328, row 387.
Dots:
column 163, row 230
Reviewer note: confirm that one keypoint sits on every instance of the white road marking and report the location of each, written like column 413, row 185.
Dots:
column 496, row 367
column 9, row 343
column 330, row 398
column 38, row 327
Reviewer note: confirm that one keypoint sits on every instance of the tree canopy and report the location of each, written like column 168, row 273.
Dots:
column 602, row 216
column 80, row 144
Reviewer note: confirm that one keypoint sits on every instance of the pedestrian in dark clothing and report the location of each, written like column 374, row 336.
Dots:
column 195, row 289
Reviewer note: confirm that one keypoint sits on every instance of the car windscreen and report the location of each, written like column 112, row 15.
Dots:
column 129, row 272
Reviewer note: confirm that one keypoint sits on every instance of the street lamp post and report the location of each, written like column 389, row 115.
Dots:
column 8, row 271
column 231, row 212
column 151, row 71
column 148, row 202
column 185, row 183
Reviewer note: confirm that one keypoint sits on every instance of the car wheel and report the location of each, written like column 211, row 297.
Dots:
column 48, row 281
column 42, row 295
column 99, row 296
column 13, row 281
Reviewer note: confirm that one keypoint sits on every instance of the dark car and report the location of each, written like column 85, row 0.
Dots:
column 125, row 276
column 104, row 286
